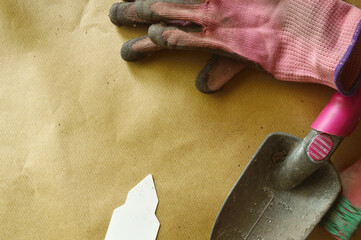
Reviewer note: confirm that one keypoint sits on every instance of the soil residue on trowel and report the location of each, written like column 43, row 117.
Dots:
column 278, row 157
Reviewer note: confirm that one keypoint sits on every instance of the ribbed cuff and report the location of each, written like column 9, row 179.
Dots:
column 348, row 71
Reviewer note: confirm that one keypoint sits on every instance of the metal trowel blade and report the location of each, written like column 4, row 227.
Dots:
column 256, row 209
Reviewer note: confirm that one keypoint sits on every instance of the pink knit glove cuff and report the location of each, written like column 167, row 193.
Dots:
column 347, row 77
column 320, row 43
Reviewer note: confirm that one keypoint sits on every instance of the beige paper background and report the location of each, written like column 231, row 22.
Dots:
column 80, row 127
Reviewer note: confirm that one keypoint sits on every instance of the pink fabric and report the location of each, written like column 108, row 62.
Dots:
column 351, row 180
column 131, row 15
column 145, row 46
column 294, row 40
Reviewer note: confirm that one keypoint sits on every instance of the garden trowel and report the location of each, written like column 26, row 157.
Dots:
column 290, row 183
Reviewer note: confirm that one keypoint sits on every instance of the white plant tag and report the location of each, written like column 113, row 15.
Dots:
column 136, row 220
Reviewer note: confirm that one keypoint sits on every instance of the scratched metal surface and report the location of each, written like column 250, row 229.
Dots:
column 268, row 212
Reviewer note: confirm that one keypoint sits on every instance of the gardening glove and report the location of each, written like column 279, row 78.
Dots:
column 294, row 40
column 218, row 71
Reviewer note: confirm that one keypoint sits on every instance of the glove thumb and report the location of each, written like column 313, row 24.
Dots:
column 217, row 72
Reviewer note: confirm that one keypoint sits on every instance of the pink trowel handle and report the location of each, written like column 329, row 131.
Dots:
column 340, row 116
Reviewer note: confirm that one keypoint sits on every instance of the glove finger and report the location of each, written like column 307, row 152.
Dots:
column 136, row 49
column 175, row 37
column 158, row 10
column 123, row 14
column 217, row 72
column 185, row 38
column 192, row 38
